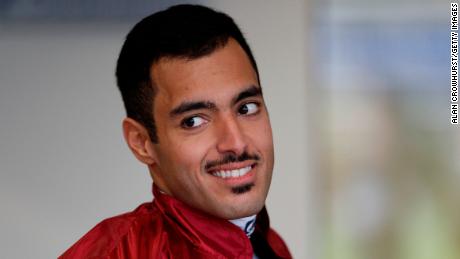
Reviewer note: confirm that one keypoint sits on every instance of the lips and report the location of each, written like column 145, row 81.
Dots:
column 234, row 170
column 232, row 173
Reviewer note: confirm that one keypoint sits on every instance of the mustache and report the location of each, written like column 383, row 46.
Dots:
column 231, row 158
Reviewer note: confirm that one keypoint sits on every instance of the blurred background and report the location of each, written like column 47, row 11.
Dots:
column 389, row 158
column 367, row 162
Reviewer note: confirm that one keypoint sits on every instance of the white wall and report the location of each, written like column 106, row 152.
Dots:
column 64, row 164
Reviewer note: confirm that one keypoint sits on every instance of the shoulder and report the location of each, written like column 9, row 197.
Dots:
column 112, row 234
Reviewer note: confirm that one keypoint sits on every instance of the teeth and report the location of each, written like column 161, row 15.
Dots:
column 232, row 173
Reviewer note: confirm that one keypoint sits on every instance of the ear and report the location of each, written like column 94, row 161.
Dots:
column 138, row 140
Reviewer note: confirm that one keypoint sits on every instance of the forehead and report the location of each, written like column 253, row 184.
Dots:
column 225, row 71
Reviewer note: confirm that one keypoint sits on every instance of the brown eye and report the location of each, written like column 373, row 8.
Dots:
column 248, row 108
column 192, row 122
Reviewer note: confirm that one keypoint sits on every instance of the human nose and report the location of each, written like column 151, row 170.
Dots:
column 230, row 137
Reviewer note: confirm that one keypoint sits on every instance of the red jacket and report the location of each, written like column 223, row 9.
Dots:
column 168, row 228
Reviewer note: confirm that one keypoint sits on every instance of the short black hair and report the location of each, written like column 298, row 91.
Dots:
column 181, row 31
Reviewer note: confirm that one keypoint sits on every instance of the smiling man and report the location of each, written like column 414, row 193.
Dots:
column 197, row 118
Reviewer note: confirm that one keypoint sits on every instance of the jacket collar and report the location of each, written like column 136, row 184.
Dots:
column 206, row 231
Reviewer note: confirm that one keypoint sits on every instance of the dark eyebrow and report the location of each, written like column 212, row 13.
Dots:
column 249, row 92
column 190, row 106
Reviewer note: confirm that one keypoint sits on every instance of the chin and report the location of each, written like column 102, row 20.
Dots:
column 241, row 201
column 243, row 214
column 244, row 210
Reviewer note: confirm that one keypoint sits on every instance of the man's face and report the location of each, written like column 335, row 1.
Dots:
column 215, row 149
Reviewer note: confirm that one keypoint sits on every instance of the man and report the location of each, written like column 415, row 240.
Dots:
column 197, row 118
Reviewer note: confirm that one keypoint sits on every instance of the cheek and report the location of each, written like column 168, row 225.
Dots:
column 189, row 153
column 261, row 136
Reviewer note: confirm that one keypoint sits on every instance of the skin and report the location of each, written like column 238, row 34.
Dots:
column 189, row 139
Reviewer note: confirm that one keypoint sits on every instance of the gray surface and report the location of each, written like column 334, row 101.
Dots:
column 82, row 10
